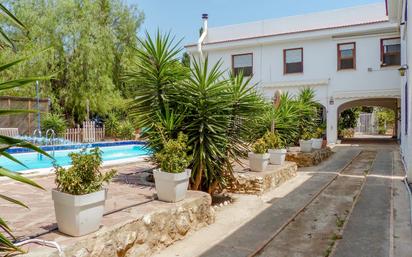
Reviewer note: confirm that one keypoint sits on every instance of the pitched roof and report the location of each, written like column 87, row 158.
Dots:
column 339, row 18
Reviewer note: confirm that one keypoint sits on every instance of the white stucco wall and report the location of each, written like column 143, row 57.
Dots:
column 369, row 80
column 406, row 137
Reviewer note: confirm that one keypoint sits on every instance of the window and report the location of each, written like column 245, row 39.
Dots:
column 391, row 51
column 293, row 60
column 242, row 63
column 346, row 56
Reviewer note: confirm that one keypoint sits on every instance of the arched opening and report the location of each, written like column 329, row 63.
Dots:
column 371, row 119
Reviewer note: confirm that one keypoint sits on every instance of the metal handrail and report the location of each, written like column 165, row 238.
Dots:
column 52, row 137
column 37, row 134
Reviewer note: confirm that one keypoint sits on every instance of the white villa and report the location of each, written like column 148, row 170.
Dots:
column 351, row 57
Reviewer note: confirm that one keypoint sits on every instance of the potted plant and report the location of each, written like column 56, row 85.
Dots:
column 259, row 158
column 317, row 141
column 172, row 178
column 276, row 148
column 306, row 142
column 80, row 197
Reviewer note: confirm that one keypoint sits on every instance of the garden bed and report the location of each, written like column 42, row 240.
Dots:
column 257, row 183
column 137, row 231
column 308, row 159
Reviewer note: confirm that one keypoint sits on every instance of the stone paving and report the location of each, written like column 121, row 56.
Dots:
column 126, row 190
column 245, row 240
column 367, row 232
column 313, row 230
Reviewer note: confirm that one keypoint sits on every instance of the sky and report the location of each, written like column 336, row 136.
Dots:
column 183, row 17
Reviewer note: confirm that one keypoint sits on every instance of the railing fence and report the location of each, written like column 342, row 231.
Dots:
column 88, row 133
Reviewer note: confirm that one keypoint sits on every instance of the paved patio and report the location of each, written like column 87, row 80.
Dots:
column 127, row 189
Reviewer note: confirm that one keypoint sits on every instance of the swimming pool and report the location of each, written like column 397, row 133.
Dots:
column 35, row 161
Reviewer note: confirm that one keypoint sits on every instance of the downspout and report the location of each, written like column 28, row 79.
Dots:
column 203, row 36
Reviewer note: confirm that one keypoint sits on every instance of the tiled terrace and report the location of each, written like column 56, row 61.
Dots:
column 126, row 190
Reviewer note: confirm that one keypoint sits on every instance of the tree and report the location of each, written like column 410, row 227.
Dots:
column 348, row 118
column 91, row 42
column 186, row 60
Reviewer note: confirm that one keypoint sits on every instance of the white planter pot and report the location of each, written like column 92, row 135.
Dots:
column 78, row 215
column 258, row 162
column 171, row 187
column 277, row 156
column 317, row 143
column 305, row 146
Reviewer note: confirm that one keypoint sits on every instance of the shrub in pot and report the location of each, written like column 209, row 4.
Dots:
column 306, row 142
column 317, row 140
column 80, row 197
column 276, row 148
column 259, row 158
column 172, row 178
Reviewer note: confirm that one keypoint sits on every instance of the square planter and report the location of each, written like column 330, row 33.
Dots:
column 305, row 146
column 258, row 162
column 78, row 215
column 317, row 143
column 277, row 156
column 171, row 187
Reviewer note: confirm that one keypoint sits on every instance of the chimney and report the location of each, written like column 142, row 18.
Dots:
column 205, row 16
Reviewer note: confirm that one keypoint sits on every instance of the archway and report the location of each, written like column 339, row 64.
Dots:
column 334, row 112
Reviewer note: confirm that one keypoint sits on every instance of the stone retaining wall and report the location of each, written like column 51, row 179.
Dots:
column 309, row 159
column 138, row 231
column 257, row 183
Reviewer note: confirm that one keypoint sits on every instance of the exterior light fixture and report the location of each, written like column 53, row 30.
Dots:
column 331, row 101
column 403, row 69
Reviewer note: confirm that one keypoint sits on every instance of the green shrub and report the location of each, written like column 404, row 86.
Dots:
column 84, row 176
column 173, row 157
column 273, row 141
column 319, row 133
column 111, row 125
column 307, row 135
column 54, row 122
column 381, row 130
column 347, row 133
column 259, row 147
column 126, row 130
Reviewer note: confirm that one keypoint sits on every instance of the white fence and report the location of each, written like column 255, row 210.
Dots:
column 86, row 134
column 9, row 132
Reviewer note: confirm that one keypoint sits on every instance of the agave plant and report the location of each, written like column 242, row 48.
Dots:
column 6, row 245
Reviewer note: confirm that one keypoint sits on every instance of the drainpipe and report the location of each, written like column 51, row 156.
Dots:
column 203, row 36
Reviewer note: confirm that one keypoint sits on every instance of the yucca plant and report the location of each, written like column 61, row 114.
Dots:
column 6, row 245
column 212, row 110
column 309, row 118
column 208, row 104
column 153, row 75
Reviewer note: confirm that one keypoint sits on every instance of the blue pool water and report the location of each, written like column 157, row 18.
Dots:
column 36, row 161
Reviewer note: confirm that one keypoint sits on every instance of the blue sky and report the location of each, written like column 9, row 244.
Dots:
column 183, row 17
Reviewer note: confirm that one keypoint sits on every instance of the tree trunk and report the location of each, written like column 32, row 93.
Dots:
column 198, row 179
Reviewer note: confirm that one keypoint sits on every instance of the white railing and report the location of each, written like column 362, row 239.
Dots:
column 87, row 134
column 9, row 132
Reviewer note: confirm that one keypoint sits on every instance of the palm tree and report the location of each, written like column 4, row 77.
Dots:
column 7, row 142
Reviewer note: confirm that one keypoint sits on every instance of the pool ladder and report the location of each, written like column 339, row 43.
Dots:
column 52, row 139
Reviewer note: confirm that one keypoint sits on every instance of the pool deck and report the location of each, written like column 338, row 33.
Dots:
column 126, row 190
